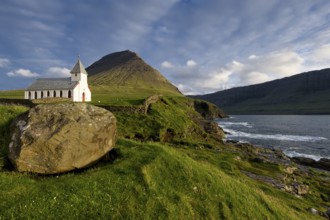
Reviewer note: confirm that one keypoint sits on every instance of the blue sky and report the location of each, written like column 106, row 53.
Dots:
column 199, row 45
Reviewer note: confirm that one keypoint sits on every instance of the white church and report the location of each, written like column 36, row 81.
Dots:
column 74, row 87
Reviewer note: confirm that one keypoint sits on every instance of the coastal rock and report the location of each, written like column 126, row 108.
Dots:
column 301, row 189
column 290, row 170
column 56, row 138
column 323, row 163
column 313, row 211
column 304, row 161
column 212, row 128
column 208, row 110
column 231, row 141
column 327, row 213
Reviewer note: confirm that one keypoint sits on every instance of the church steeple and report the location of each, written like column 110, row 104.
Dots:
column 78, row 68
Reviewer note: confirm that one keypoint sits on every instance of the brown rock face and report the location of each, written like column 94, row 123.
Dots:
column 56, row 138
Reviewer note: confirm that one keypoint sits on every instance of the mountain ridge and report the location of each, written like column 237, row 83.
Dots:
column 304, row 93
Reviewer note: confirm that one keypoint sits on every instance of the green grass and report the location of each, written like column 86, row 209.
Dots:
column 12, row 94
column 125, row 96
column 170, row 120
column 180, row 179
column 148, row 181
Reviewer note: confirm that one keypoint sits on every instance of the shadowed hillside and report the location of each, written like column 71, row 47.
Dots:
column 305, row 93
column 125, row 72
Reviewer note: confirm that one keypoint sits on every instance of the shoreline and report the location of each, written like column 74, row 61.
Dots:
column 322, row 163
column 295, row 137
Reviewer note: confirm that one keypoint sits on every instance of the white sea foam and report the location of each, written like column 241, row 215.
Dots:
column 226, row 123
column 296, row 154
column 283, row 137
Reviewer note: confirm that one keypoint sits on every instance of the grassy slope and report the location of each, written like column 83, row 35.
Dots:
column 123, row 77
column 150, row 180
column 125, row 95
column 315, row 103
column 12, row 94
column 173, row 114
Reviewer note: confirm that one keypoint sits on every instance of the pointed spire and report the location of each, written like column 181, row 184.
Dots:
column 78, row 67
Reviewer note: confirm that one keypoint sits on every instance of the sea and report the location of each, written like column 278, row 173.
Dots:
column 296, row 135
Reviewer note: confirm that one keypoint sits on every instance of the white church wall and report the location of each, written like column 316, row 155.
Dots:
column 76, row 77
column 75, row 95
column 38, row 95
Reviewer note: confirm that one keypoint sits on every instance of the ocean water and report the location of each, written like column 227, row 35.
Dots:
column 295, row 135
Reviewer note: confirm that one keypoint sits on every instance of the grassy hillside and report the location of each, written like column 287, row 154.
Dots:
column 148, row 180
column 12, row 94
column 124, row 74
column 305, row 93
column 108, row 95
column 166, row 178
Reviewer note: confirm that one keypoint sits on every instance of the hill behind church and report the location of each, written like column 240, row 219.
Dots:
column 126, row 73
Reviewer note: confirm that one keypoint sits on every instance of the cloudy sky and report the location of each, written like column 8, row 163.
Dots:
column 201, row 46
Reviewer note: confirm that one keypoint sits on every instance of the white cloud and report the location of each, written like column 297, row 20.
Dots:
column 191, row 63
column 4, row 62
column 322, row 53
column 185, row 89
column 251, row 57
column 276, row 64
column 167, row 64
column 255, row 77
column 22, row 73
column 58, row 72
column 255, row 69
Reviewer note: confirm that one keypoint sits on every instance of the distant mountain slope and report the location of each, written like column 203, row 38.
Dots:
column 305, row 93
column 126, row 70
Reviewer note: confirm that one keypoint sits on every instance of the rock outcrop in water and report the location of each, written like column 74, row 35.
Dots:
column 56, row 138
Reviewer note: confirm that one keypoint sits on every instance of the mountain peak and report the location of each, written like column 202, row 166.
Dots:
column 127, row 69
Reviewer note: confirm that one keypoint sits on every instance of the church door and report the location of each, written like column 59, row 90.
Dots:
column 83, row 97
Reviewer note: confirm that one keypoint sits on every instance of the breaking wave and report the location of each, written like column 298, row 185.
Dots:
column 282, row 137
column 245, row 124
column 296, row 154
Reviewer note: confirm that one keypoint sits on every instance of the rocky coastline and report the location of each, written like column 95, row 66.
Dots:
column 294, row 171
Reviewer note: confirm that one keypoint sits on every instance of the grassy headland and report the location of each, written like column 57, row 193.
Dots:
column 172, row 169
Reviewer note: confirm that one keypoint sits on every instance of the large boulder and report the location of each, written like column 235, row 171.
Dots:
column 56, row 138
